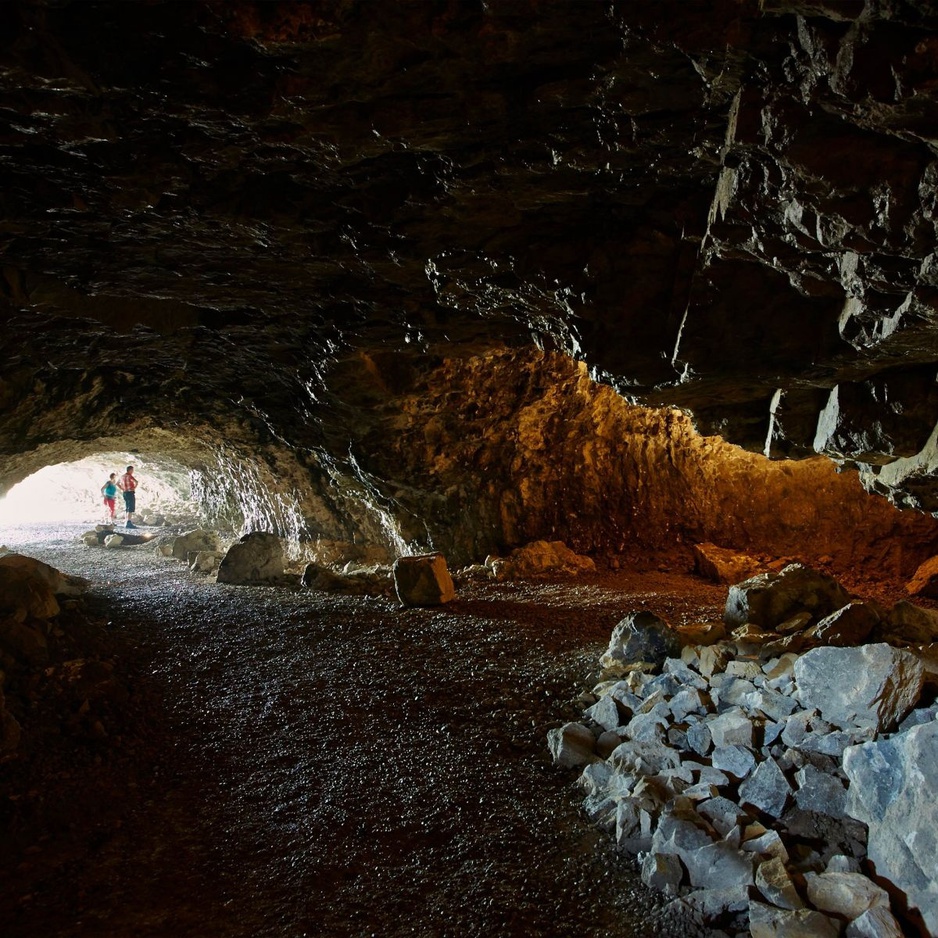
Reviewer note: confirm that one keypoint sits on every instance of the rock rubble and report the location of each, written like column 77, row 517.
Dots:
column 772, row 783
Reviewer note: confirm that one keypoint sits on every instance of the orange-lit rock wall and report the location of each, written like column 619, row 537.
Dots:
column 494, row 451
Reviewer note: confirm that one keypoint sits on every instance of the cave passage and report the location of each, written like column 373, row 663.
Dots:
column 289, row 763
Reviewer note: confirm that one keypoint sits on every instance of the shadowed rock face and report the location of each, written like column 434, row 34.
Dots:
column 274, row 229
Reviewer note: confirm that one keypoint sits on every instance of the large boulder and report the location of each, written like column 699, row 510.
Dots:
column 872, row 686
column 542, row 557
column 25, row 594
column 256, row 558
column 769, row 599
column 641, row 636
column 61, row 584
column 894, row 790
column 423, row 580
column 376, row 582
column 194, row 541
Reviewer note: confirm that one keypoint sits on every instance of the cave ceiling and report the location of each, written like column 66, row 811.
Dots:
column 231, row 211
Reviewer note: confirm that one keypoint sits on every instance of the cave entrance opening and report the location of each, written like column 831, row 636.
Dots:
column 71, row 491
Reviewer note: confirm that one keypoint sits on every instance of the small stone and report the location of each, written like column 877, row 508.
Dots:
column 776, row 886
column 766, row 789
column 606, row 742
column 699, row 738
column 766, row 921
column 718, row 866
column 571, row 745
column 736, row 760
column 662, row 871
column 732, row 728
column 713, row 659
column 820, row 792
column 769, row 844
column 605, row 713
column 845, row 894
column 690, row 700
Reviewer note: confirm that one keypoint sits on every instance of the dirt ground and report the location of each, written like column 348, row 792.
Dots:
column 251, row 761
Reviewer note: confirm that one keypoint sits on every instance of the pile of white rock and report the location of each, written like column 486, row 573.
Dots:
column 771, row 792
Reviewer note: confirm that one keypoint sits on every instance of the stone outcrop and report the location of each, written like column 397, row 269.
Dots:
column 744, row 780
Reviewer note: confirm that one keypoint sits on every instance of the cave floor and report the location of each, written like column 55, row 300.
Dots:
column 291, row 763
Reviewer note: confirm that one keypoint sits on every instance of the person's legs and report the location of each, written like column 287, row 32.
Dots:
column 130, row 506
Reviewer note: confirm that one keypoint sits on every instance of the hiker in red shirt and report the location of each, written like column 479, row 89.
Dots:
column 127, row 484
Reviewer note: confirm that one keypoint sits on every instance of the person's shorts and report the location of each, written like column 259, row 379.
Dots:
column 110, row 503
column 130, row 501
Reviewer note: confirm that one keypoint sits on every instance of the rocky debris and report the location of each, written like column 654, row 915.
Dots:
column 540, row 557
column 423, row 580
column 256, row 558
column 722, row 565
column 740, row 778
column 113, row 540
column 376, row 581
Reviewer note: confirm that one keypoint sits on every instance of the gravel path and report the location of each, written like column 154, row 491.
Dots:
column 331, row 766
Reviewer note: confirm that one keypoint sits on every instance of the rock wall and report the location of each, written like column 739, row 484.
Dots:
column 489, row 452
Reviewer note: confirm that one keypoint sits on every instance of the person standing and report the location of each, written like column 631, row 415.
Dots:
column 109, row 491
column 128, row 485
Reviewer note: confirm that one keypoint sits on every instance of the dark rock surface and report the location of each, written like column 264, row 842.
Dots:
column 273, row 227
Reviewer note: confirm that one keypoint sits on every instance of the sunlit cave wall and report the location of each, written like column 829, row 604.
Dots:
column 479, row 454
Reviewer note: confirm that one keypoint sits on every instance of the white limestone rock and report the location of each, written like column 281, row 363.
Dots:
column 718, row 866
column 873, row 685
column 641, row 636
column 821, row 792
column 767, row 789
column 894, row 790
column 644, row 757
column 113, row 540
column 732, row 728
column 571, row 745
column 735, row 760
column 662, row 871
column 605, row 713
